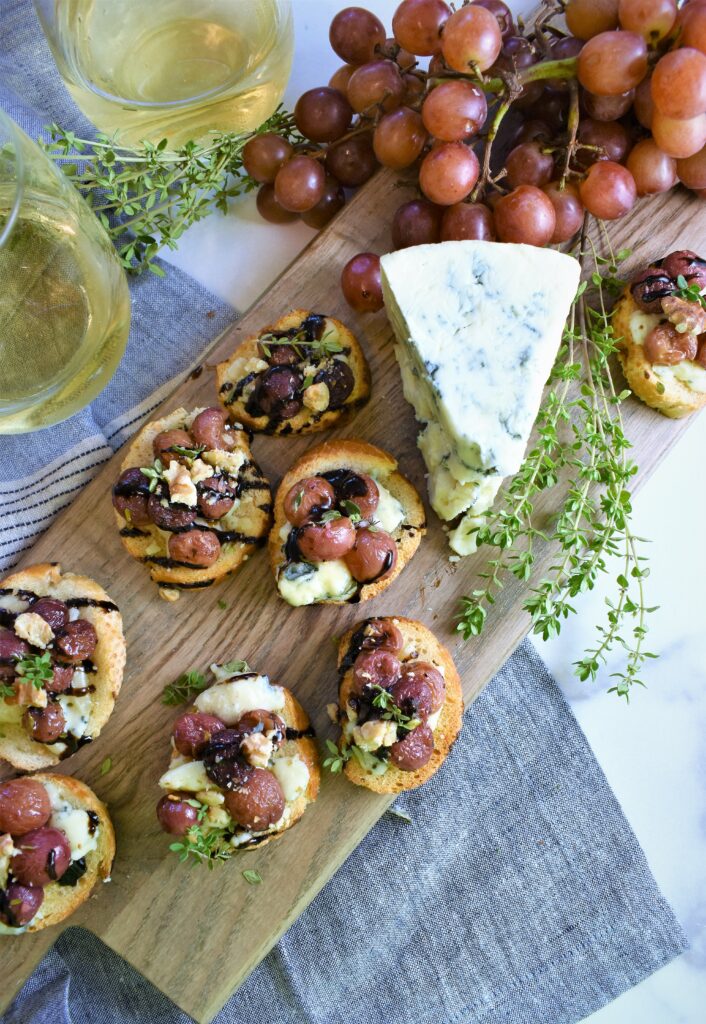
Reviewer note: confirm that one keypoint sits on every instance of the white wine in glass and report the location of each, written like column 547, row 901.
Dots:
column 175, row 69
column 64, row 301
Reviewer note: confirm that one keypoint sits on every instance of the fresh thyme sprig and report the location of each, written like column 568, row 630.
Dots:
column 581, row 447
column 391, row 712
column 36, row 669
column 154, row 473
column 184, row 688
column 201, row 845
column 147, row 196
column 325, row 346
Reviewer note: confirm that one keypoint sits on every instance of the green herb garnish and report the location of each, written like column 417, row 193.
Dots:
column 252, row 877
column 222, row 604
column 581, row 447
column 36, row 669
column 690, row 292
column 337, row 758
column 353, row 510
column 188, row 453
column 235, row 668
column 391, row 712
column 154, row 473
column 204, row 845
column 325, row 346
column 397, row 813
column 106, row 765
column 184, row 687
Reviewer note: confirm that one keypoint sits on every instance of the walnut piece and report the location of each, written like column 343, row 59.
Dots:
column 373, row 735
column 32, row 627
column 257, row 749
column 181, row 487
column 687, row 317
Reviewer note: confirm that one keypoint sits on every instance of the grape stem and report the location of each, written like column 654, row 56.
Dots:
column 573, row 127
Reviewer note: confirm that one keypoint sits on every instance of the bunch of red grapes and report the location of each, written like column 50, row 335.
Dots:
column 504, row 133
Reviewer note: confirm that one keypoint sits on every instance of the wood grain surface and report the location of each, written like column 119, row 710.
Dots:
column 197, row 934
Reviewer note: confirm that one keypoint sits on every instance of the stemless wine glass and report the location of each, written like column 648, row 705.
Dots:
column 64, row 301
column 173, row 69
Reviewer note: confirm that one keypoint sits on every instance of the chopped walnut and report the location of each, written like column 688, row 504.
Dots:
column 373, row 735
column 7, row 850
column 181, row 487
column 200, row 470
column 210, row 797
column 332, row 712
column 317, row 397
column 169, row 594
column 257, row 749
column 217, row 817
column 687, row 317
column 27, row 695
column 32, row 627
column 230, row 462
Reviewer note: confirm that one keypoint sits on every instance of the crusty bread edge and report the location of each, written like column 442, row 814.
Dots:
column 16, row 745
column 447, row 728
column 669, row 396
column 139, row 453
column 62, row 900
column 302, row 423
column 365, row 458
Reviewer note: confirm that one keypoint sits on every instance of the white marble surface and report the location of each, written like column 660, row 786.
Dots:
column 652, row 751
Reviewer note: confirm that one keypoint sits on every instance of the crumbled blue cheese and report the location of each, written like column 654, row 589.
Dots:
column 302, row 583
column 687, row 372
column 228, row 701
column 292, row 773
column 389, row 514
column 478, row 326
column 77, row 710
column 189, row 777
column 72, row 821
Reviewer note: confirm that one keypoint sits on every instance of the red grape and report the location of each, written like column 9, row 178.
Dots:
column 377, row 84
column 607, row 108
column 393, row 51
column 529, row 164
column 471, row 39
column 525, row 215
column 361, row 283
column 679, row 84
column 612, row 62
column 692, row 20
column 454, row 110
column 502, row 14
column 467, row 220
column 653, row 19
column 679, row 138
column 323, row 114
column 417, row 25
column 414, row 89
column 692, row 170
column 352, row 161
column 399, row 138
column 563, row 48
column 588, row 18
column 652, row 169
column 610, row 138
column 269, row 208
column 355, row 33
column 448, row 173
column 643, row 106
column 417, row 222
column 340, row 79
column 568, row 209
column 264, row 154
column 299, row 185
column 327, row 207
column 532, row 130
column 608, row 191
column 517, row 53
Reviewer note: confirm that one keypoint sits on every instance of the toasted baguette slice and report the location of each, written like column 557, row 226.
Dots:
column 301, row 746
column 251, row 517
column 361, row 458
column 420, row 642
column 247, row 363
column 675, row 391
column 62, row 900
column 47, row 580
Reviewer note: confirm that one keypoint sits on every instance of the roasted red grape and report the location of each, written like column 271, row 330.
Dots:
column 56, row 613
column 193, row 730
column 417, row 222
column 414, row 750
column 168, row 439
column 45, row 725
column 361, row 283
column 176, row 816
column 525, row 215
column 44, row 855
column 322, row 115
column 467, row 220
column 608, row 191
column 373, row 556
column 448, row 173
column 24, row 805
column 379, row 667
column 19, row 904
column 210, row 428
column 257, row 803
column 321, row 542
column 431, row 676
column 200, row 548
column 308, row 498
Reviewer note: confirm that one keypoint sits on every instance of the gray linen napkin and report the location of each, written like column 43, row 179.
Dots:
column 517, row 895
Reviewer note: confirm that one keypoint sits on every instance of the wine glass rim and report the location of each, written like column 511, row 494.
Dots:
column 13, row 132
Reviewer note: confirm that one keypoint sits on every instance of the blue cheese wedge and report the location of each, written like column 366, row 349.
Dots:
column 478, row 326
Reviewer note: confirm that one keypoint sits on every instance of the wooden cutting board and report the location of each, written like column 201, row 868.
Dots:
column 196, row 934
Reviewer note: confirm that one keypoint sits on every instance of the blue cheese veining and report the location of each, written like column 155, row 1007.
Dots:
column 478, row 326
